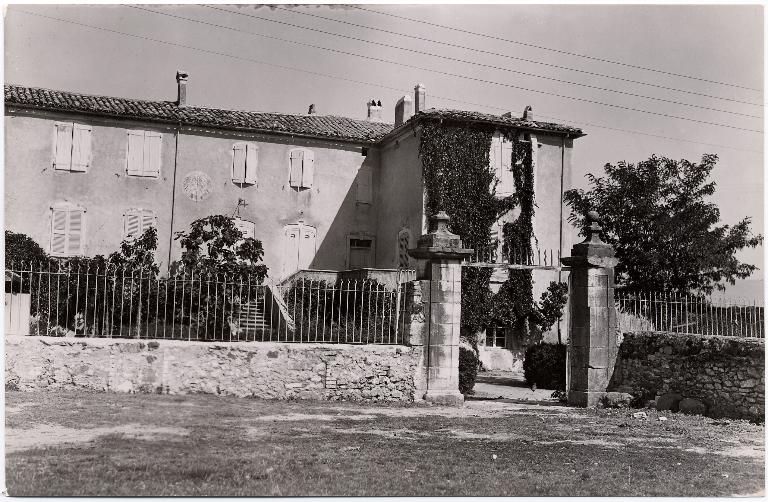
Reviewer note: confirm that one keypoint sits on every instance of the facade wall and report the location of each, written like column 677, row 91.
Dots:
column 259, row 369
column 106, row 192
column 400, row 197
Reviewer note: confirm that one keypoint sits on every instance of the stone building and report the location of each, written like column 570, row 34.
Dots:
column 321, row 192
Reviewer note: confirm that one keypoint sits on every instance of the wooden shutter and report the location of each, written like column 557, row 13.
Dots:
column 247, row 228
column 75, row 232
column 495, row 154
column 131, row 224
column 59, row 232
column 364, row 188
column 308, row 169
column 62, row 158
column 307, row 246
column 291, row 263
column 506, row 154
column 252, row 164
column 148, row 220
column 239, row 153
column 135, row 159
column 81, row 147
column 152, row 142
column 295, row 166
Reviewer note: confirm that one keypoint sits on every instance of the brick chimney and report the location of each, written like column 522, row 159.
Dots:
column 528, row 113
column 374, row 111
column 181, row 79
column 312, row 109
column 403, row 110
column 420, row 98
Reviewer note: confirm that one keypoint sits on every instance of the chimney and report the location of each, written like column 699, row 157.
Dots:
column 312, row 109
column 403, row 110
column 420, row 98
column 374, row 111
column 528, row 113
column 181, row 79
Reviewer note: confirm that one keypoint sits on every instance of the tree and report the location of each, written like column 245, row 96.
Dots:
column 665, row 231
column 214, row 245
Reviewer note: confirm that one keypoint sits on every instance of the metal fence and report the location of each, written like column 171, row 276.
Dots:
column 496, row 254
column 121, row 302
column 690, row 314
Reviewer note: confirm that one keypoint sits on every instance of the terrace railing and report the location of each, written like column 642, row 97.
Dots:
column 121, row 302
column 496, row 255
column 649, row 311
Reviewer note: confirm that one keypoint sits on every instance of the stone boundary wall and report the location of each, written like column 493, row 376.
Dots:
column 258, row 369
column 724, row 373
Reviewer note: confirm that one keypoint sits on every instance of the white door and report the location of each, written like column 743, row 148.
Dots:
column 300, row 247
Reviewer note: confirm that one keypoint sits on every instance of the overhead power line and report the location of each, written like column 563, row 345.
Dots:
column 458, row 75
column 576, row 54
column 334, row 77
column 482, row 51
column 475, row 63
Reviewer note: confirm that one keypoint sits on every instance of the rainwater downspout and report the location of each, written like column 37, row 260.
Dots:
column 173, row 193
column 560, row 241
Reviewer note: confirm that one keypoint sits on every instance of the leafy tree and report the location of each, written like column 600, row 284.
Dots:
column 213, row 244
column 22, row 248
column 657, row 216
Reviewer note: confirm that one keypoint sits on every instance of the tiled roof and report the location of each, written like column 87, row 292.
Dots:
column 322, row 126
column 468, row 116
column 319, row 126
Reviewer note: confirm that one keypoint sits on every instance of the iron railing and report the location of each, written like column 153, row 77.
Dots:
column 670, row 312
column 497, row 255
column 122, row 302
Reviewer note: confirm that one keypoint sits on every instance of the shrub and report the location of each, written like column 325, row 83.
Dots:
column 544, row 365
column 468, row 366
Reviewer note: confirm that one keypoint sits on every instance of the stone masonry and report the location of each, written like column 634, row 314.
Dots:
column 263, row 369
column 592, row 344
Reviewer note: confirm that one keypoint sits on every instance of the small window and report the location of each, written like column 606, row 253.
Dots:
column 72, row 147
column 247, row 228
column 496, row 336
column 365, row 185
column 136, row 221
column 143, row 157
column 501, row 164
column 245, row 162
column 403, row 243
column 360, row 253
column 67, row 230
column 302, row 168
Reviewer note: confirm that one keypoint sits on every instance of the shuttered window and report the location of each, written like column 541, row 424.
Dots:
column 136, row 221
column 365, row 185
column 302, row 168
column 72, row 147
column 143, row 156
column 300, row 247
column 245, row 162
column 247, row 228
column 501, row 164
column 67, row 230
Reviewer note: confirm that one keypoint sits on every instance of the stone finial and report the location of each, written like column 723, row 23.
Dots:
column 439, row 242
column 439, row 223
column 594, row 228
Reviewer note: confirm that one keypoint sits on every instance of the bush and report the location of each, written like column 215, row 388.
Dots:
column 544, row 365
column 468, row 366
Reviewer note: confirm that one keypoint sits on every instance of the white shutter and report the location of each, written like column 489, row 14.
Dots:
column 75, row 232
column 81, row 147
column 59, row 232
column 247, row 228
column 148, row 220
column 307, row 246
column 364, row 188
column 152, row 142
column 506, row 154
column 131, row 225
column 295, row 161
column 238, row 163
column 135, row 158
column 308, row 169
column 252, row 164
column 291, row 263
column 495, row 154
column 62, row 158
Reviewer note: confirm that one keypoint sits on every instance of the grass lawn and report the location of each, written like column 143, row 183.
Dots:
column 81, row 444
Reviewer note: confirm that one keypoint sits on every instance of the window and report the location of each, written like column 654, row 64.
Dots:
column 143, row 158
column 72, row 147
column 360, row 253
column 300, row 247
column 496, row 336
column 302, row 168
column 501, row 164
column 67, row 230
column 136, row 221
column 403, row 243
column 245, row 162
column 365, row 185
column 247, row 228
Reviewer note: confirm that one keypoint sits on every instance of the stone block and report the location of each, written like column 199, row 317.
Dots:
column 669, row 401
column 691, row 406
column 444, row 334
column 445, row 398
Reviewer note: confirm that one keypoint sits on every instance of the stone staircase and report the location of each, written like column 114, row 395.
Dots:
column 252, row 320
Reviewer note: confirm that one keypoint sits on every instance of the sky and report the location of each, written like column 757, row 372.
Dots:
column 250, row 57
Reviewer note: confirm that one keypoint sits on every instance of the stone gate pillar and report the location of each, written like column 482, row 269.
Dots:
column 592, row 347
column 438, row 260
